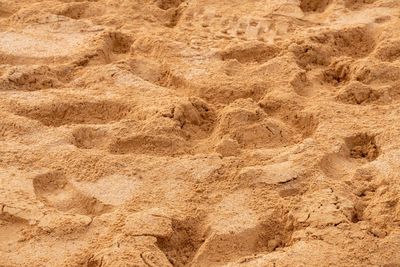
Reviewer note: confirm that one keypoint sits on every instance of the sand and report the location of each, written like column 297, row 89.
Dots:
column 200, row 133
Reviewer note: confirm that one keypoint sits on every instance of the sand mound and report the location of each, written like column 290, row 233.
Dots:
column 199, row 133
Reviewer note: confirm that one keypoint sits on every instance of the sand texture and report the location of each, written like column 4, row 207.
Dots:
column 199, row 133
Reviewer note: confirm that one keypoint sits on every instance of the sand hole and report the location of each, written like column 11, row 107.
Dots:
column 54, row 190
column 57, row 114
column 167, row 4
column 119, row 43
column 314, row 5
column 114, row 45
column 182, row 245
column 338, row 72
column 273, row 234
column 174, row 18
column 362, row 146
column 357, row 214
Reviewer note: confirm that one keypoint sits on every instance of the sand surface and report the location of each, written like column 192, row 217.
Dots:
column 200, row 133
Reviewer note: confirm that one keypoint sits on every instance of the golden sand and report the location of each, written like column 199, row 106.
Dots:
column 200, row 133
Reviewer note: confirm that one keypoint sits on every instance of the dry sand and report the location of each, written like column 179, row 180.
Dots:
column 200, row 133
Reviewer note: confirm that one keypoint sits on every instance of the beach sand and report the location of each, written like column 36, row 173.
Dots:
column 200, row 133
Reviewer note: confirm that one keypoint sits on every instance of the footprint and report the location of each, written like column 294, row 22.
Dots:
column 125, row 254
column 377, row 73
column 237, row 26
column 249, row 125
column 88, row 138
column 355, row 42
column 319, row 49
column 11, row 228
column 233, row 246
column 112, row 190
column 356, row 151
column 23, row 78
column 155, row 260
column 257, row 53
column 54, row 190
column 235, row 232
column 272, row 174
column 115, row 255
column 73, row 112
column 310, row 55
column 285, row 109
column 74, row 10
column 12, row 126
column 266, row 133
column 388, row 50
column 303, row 123
column 394, row 91
column 356, row 4
column 80, row 10
column 357, row 93
column 301, row 84
column 147, row 69
column 370, row 190
column 149, row 144
column 338, row 165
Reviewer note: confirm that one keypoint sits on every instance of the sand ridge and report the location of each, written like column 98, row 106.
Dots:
column 199, row 133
